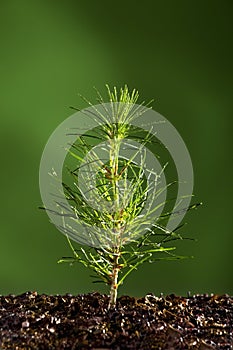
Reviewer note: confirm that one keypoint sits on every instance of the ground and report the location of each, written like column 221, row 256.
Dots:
column 33, row 321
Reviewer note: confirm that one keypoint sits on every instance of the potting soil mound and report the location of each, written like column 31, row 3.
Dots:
column 33, row 321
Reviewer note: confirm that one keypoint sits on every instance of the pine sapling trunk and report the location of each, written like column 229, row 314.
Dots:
column 113, row 155
column 114, row 281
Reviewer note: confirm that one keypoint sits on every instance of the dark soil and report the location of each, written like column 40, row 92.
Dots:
column 32, row 321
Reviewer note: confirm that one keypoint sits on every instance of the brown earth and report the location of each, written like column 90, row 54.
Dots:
column 33, row 321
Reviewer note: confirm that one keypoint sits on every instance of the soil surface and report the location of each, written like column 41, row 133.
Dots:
column 33, row 321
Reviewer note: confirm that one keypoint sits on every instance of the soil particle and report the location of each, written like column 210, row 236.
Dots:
column 46, row 322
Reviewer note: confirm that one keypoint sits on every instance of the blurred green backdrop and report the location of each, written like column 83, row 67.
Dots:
column 178, row 52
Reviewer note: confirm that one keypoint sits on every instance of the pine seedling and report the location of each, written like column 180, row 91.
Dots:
column 114, row 196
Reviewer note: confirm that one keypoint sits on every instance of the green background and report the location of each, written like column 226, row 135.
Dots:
column 178, row 52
